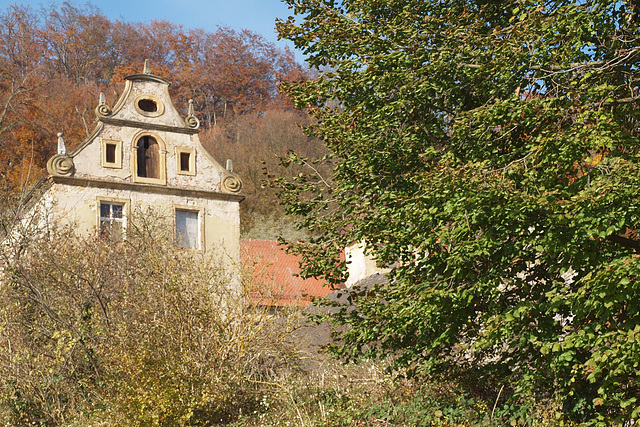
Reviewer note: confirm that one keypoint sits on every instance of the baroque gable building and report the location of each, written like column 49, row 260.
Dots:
column 143, row 156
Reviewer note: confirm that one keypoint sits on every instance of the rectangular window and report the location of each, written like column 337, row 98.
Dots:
column 112, row 220
column 185, row 161
column 187, row 229
column 111, row 153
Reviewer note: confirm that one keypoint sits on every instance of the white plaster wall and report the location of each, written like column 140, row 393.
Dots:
column 78, row 205
column 359, row 265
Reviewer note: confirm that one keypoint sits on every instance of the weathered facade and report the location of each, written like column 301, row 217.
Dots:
column 143, row 157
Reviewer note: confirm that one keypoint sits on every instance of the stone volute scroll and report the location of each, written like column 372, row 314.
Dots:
column 103, row 110
column 230, row 181
column 191, row 120
column 61, row 164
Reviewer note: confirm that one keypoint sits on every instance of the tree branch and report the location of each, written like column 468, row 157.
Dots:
column 624, row 241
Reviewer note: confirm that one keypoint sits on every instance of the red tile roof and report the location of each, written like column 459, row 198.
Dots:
column 275, row 275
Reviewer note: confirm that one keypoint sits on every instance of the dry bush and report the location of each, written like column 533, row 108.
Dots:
column 257, row 144
column 134, row 332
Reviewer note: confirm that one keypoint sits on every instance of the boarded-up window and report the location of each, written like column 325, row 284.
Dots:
column 187, row 229
column 148, row 154
column 111, row 220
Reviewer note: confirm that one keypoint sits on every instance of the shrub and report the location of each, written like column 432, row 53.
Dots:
column 131, row 332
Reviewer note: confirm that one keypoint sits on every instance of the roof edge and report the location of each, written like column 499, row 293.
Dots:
column 148, row 77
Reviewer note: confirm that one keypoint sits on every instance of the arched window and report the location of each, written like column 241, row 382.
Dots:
column 148, row 153
column 148, row 159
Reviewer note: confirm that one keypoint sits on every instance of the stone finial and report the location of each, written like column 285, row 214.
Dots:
column 229, row 165
column 190, row 113
column 147, row 67
column 62, row 150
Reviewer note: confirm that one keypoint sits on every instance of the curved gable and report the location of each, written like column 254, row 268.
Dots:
column 143, row 139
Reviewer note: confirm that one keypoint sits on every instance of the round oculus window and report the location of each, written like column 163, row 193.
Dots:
column 149, row 105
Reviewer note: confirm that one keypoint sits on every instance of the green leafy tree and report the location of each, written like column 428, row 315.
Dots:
column 489, row 151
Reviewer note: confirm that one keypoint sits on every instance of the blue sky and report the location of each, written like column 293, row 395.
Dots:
column 256, row 15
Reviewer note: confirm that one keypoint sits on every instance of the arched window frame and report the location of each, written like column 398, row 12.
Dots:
column 161, row 179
